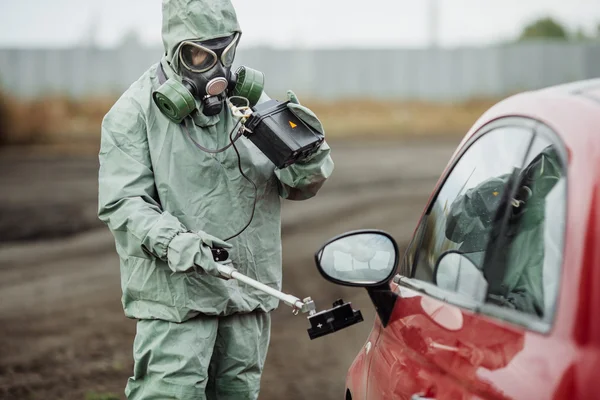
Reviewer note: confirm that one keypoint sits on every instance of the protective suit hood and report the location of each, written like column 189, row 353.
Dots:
column 195, row 20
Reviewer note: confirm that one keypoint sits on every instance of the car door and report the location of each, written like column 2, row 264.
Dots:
column 445, row 343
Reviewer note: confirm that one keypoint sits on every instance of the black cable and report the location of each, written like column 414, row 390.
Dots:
column 198, row 145
column 232, row 141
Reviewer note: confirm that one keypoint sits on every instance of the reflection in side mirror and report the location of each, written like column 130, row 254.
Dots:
column 359, row 258
column 457, row 273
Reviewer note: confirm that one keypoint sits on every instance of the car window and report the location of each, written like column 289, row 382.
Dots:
column 491, row 211
column 462, row 215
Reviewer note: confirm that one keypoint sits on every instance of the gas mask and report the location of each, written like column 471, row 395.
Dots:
column 542, row 174
column 537, row 180
column 205, row 70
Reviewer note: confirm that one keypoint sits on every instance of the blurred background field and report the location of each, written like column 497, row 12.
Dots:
column 396, row 85
column 68, row 123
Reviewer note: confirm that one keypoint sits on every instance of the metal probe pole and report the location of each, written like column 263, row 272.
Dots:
column 306, row 306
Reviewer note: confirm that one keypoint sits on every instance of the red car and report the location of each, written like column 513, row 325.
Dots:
column 498, row 294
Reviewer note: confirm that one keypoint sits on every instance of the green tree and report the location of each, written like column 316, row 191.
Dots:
column 544, row 28
column 580, row 35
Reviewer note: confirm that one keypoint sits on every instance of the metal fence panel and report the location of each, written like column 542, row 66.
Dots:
column 408, row 74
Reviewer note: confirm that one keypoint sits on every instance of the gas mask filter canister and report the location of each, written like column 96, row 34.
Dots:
column 176, row 101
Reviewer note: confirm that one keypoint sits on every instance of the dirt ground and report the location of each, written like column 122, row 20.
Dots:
column 64, row 335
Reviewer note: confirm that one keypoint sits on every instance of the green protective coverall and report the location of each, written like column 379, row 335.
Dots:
column 166, row 201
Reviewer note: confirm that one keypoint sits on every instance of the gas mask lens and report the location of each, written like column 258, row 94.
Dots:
column 202, row 56
column 228, row 54
column 196, row 58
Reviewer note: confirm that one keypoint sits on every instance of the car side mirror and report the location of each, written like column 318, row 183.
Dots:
column 456, row 272
column 365, row 258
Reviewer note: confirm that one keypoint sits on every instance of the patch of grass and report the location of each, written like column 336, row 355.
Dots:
column 118, row 365
column 101, row 396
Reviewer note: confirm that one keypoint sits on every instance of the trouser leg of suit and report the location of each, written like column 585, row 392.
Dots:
column 171, row 360
column 176, row 361
column 239, row 357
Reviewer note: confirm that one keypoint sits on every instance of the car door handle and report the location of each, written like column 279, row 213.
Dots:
column 435, row 345
column 419, row 396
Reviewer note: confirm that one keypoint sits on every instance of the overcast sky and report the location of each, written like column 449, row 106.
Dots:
column 287, row 23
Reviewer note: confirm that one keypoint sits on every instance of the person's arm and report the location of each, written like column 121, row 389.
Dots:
column 460, row 223
column 303, row 180
column 128, row 201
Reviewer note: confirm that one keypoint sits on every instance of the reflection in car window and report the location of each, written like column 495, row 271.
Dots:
column 461, row 217
column 492, row 210
column 520, row 273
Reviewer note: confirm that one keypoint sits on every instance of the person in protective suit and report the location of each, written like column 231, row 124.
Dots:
column 167, row 203
column 514, row 267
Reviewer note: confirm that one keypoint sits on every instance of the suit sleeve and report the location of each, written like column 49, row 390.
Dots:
column 127, row 198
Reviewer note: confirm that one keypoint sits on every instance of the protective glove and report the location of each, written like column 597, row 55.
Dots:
column 193, row 250
column 304, row 113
